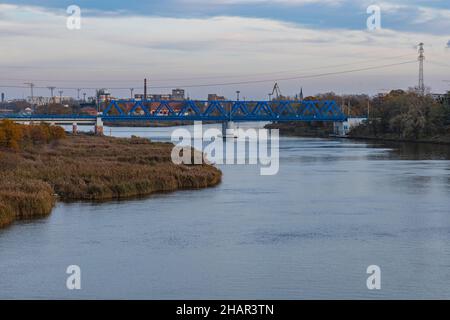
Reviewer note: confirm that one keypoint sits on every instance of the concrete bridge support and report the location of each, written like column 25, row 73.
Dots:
column 228, row 130
column 99, row 126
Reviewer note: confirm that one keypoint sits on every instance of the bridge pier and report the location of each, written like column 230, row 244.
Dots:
column 228, row 130
column 99, row 125
column 74, row 128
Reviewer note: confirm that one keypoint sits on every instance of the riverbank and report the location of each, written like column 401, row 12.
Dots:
column 303, row 129
column 326, row 132
column 92, row 168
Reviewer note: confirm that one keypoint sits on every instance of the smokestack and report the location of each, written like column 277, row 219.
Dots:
column 145, row 89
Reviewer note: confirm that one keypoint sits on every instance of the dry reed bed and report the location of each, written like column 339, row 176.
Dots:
column 91, row 168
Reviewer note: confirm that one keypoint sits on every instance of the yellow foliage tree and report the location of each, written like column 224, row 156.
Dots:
column 10, row 134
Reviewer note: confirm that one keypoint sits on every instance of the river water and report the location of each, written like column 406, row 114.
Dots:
column 311, row 231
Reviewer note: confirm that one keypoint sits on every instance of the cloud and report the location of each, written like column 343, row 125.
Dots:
column 409, row 16
column 274, row 2
column 124, row 48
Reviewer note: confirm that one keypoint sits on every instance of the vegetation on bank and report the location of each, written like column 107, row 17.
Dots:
column 407, row 116
column 399, row 115
column 33, row 172
column 15, row 137
column 303, row 129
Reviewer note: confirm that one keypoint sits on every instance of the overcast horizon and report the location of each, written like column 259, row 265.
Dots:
column 222, row 46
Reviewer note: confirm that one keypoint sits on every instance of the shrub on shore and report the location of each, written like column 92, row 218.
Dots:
column 15, row 136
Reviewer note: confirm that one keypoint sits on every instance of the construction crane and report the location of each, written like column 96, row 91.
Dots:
column 276, row 90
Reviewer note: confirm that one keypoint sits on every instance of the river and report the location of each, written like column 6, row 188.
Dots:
column 311, row 231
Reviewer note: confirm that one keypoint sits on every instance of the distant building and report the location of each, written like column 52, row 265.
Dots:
column 89, row 104
column 92, row 111
column 6, row 111
column 438, row 96
column 178, row 94
column 103, row 95
column 160, row 96
column 61, row 100
column 106, row 96
column 215, row 97
column 39, row 101
column 343, row 128
column 3, row 97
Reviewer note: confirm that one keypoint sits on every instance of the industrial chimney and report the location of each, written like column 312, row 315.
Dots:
column 145, row 89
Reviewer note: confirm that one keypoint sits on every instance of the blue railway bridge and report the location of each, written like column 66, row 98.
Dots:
column 225, row 112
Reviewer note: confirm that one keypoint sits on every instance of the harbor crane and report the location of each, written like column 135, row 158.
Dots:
column 276, row 91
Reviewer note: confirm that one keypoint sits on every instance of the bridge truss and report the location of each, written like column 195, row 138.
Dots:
column 195, row 110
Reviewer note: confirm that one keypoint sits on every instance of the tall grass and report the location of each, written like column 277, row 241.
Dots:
column 90, row 168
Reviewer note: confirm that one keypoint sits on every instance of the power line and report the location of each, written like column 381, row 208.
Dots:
column 239, row 82
column 291, row 78
column 213, row 77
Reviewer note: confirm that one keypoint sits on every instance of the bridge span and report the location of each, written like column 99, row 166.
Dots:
column 225, row 112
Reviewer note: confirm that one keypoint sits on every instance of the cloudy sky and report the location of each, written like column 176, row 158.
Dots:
column 220, row 46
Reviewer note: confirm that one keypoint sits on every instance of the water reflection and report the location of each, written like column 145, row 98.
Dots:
column 415, row 151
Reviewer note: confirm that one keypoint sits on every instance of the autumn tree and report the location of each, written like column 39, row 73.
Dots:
column 10, row 134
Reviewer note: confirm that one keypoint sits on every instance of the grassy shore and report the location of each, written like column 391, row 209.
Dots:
column 90, row 168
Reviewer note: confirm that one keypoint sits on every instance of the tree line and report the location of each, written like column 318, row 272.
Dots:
column 15, row 136
column 406, row 115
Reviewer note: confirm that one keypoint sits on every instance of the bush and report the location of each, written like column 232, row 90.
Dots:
column 11, row 134
column 14, row 136
column 405, row 115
